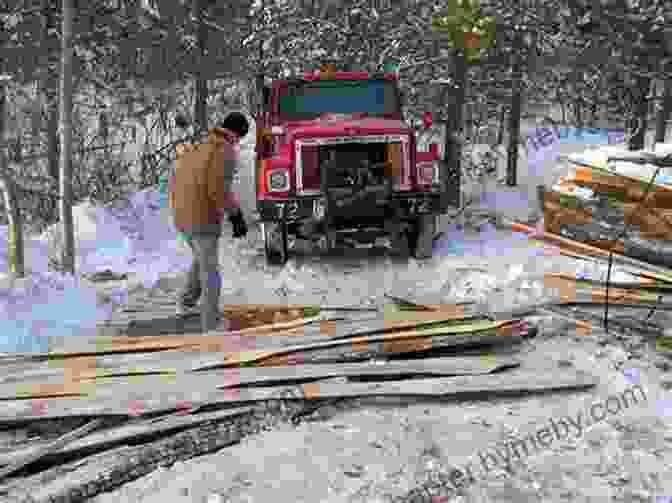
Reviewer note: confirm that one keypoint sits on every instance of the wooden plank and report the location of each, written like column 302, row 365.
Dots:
column 250, row 323
column 255, row 376
column 160, row 365
column 30, row 372
column 293, row 307
column 572, row 292
column 389, row 321
column 429, row 366
column 587, row 250
column 148, row 319
column 118, row 400
column 629, row 268
column 92, row 346
column 161, row 370
column 103, row 473
column 454, row 386
column 504, row 328
column 341, row 350
column 113, row 436
column 642, row 283
column 54, row 446
column 23, row 371
column 89, row 346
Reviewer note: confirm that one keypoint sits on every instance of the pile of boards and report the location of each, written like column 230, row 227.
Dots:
column 616, row 206
column 95, row 413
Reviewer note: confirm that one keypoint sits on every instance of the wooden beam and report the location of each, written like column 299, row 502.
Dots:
column 119, row 399
column 49, row 448
column 114, row 436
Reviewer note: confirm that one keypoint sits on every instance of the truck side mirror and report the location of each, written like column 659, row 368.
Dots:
column 428, row 120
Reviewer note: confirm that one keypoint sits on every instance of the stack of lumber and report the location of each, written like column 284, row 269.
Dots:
column 613, row 208
column 95, row 413
column 587, row 302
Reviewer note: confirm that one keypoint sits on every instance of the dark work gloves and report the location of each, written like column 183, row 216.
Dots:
column 238, row 224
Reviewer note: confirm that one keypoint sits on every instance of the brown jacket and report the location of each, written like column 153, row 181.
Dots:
column 200, row 185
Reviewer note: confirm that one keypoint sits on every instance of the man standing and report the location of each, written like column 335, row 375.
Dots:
column 200, row 195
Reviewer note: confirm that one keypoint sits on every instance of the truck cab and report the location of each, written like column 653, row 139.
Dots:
column 335, row 161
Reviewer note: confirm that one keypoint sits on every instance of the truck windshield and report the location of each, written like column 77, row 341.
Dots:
column 308, row 100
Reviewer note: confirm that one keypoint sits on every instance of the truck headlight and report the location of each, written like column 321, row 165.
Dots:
column 278, row 180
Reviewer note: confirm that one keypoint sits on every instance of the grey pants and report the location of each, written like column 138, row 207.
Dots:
column 203, row 279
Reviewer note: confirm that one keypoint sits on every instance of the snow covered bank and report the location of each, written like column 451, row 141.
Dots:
column 135, row 240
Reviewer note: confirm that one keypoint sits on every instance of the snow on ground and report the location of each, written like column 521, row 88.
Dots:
column 370, row 454
column 134, row 241
column 140, row 241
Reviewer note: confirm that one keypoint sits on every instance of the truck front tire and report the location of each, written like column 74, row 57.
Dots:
column 421, row 237
column 275, row 242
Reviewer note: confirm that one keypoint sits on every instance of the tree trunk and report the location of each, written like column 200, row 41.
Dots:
column 578, row 113
column 53, row 150
column 594, row 109
column 642, row 86
column 201, row 102
column 501, row 127
column 15, row 250
column 65, row 127
column 563, row 110
column 514, row 117
column 50, row 89
column 455, row 123
column 664, row 112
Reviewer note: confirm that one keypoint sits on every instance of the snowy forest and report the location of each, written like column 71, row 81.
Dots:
column 361, row 373
column 89, row 90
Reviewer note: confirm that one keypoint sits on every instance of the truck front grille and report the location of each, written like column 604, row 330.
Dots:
column 352, row 161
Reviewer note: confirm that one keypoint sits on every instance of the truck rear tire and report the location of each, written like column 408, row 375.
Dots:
column 275, row 242
column 421, row 237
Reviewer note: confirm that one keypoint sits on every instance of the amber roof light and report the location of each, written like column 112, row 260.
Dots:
column 327, row 70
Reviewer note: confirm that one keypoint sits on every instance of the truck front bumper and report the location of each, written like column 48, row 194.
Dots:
column 313, row 207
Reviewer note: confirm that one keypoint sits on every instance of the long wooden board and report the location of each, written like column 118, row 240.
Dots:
column 102, row 473
column 638, row 284
column 396, row 342
column 17, row 462
column 175, row 360
column 26, row 373
column 389, row 321
column 89, row 346
column 591, row 251
column 233, row 378
column 93, row 346
column 360, row 348
column 572, row 291
column 113, row 436
column 119, row 400
column 441, row 366
column 429, row 366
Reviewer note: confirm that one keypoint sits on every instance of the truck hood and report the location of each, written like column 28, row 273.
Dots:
column 344, row 125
